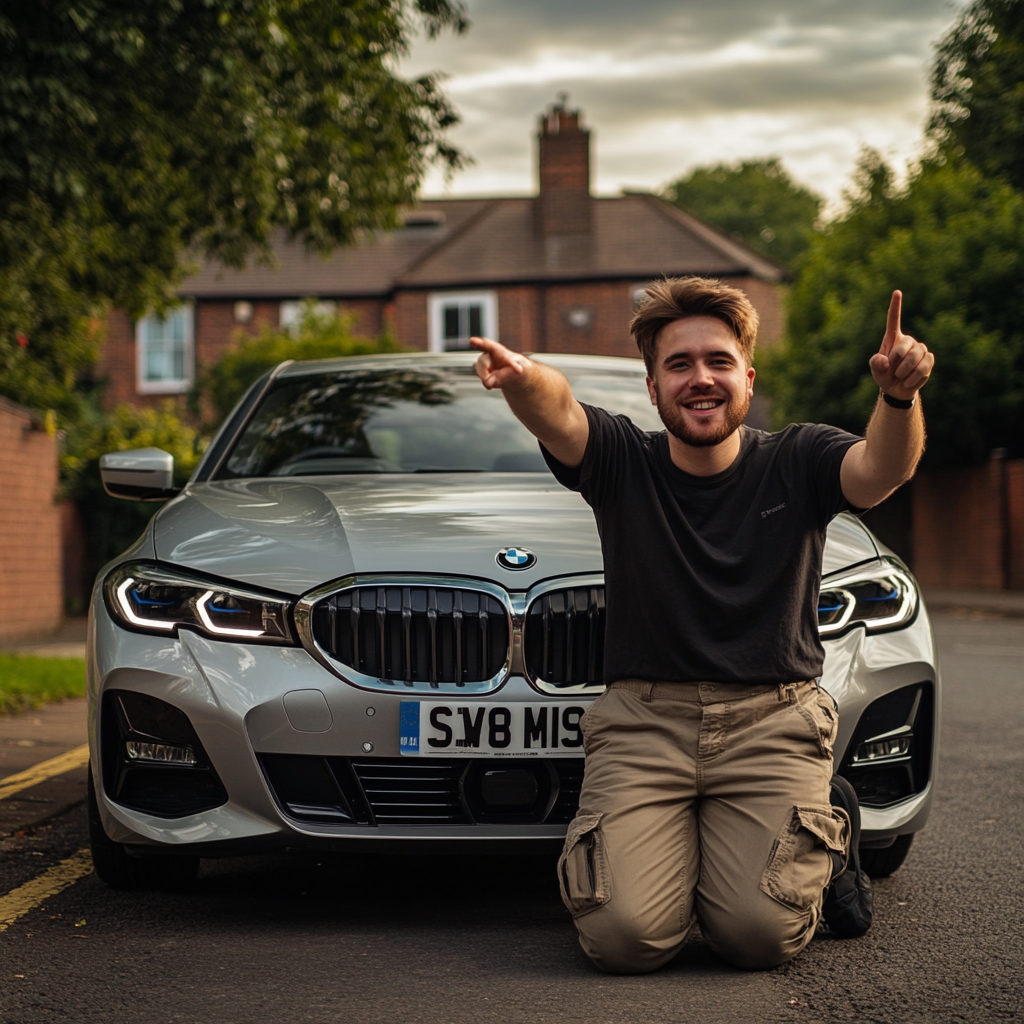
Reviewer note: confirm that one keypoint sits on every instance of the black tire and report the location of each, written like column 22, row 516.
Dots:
column 119, row 870
column 882, row 863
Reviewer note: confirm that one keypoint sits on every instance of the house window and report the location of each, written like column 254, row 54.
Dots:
column 293, row 312
column 457, row 317
column 164, row 352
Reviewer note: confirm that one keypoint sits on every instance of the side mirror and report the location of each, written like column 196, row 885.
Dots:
column 145, row 474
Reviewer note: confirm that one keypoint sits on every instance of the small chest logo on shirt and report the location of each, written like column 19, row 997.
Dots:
column 771, row 511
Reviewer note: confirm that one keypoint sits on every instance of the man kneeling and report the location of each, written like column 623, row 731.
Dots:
column 708, row 794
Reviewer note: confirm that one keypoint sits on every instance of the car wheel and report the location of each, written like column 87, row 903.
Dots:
column 882, row 863
column 119, row 870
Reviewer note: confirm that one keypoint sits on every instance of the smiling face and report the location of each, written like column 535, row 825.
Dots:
column 702, row 384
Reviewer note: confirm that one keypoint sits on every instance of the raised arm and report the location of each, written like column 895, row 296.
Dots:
column 888, row 456
column 540, row 398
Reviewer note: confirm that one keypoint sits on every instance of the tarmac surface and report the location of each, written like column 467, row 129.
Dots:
column 387, row 939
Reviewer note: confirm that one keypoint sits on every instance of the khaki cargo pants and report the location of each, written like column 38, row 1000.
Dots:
column 702, row 802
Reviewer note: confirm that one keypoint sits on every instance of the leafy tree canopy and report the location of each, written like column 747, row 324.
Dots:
column 755, row 201
column 111, row 524
column 978, row 88
column 951, row 240
column 318, row 336
column 133, row 135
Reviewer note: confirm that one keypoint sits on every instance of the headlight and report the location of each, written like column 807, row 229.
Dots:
column 878, row 598
column 150, row 599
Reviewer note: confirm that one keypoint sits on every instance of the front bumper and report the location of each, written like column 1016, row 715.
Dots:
column 232, row 694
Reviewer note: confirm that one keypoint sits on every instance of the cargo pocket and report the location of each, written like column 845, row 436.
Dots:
column 820, row 714
column 799, row 866
column 582, row 869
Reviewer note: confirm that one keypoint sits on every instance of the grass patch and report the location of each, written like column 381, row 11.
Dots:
column 27, row 681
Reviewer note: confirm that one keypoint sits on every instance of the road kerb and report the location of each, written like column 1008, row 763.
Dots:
column 20, row 901
column 77, row 758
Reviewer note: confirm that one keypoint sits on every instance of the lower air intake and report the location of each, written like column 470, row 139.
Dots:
column 426, row 791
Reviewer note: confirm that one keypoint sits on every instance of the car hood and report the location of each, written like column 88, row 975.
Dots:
column 291, row 536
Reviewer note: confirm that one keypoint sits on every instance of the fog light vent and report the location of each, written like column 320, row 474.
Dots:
column 884, row 748
column 152, row 758
column 890, row 753
column 160, row 753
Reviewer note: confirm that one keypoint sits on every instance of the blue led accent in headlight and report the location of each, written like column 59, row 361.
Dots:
column 143, row 600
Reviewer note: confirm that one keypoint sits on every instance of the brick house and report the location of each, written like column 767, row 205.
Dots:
column 558, row 271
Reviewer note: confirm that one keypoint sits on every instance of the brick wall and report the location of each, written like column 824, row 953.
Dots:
column 31, row 585
column 409, row 319
column 215, row 329
column 1015, row 523
column 590, row 318
column 968, row 526
column 116, row 365
column 603, row 309
column 76, row 580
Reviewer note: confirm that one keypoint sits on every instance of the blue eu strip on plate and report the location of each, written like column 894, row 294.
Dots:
column 409, row 727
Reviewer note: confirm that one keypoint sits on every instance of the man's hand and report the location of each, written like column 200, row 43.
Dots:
column 902, row 366
column 873, row 469
column 540, row 398
column 496, row 365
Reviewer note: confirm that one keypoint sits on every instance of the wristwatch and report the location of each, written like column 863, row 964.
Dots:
column 898, row 403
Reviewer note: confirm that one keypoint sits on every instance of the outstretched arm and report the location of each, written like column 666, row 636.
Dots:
column 888, row 456
column 540, row 398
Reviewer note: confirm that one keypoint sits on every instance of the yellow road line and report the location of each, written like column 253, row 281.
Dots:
column 77, row 758
column 20, row 901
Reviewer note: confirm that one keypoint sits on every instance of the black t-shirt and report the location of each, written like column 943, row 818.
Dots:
column 711, row 578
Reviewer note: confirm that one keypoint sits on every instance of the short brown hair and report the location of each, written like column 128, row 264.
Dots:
column 679, row 298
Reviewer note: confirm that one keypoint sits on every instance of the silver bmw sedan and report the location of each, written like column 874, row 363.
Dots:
column 372, row 620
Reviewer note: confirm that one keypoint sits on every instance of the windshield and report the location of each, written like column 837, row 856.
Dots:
column 407, row 420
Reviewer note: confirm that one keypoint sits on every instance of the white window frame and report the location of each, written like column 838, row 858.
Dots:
column 167, row 386
column 438, row 301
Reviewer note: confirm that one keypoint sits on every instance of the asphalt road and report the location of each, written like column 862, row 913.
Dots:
column 395, row 939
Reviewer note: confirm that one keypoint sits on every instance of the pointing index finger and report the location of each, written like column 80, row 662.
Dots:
column 892, row 326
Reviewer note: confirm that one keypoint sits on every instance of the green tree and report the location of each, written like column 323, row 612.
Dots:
column 135, row 136
column 111, row 524
column 953, row 241
column 978, row 89
column 319, row 336
column 756, row 202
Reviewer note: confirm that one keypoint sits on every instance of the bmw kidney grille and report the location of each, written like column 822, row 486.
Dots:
column 415, row 634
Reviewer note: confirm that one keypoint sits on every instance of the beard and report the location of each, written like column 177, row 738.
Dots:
column 675, row 421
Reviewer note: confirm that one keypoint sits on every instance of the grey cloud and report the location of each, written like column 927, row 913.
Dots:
column 525, row 25
column 827, row 63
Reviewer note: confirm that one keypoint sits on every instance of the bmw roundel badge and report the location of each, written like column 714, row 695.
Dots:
column 516, row 558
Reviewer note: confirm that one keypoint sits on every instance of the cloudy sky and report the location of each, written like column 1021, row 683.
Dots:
column 668, row 85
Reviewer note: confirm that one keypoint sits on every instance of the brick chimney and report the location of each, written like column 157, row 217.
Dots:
column 563, row 206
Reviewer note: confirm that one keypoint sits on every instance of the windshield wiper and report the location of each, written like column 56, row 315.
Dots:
column 448, row 469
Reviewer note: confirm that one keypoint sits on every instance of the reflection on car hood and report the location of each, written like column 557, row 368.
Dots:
column 292, row 535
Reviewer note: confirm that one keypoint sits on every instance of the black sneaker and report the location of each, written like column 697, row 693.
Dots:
column 847, row 906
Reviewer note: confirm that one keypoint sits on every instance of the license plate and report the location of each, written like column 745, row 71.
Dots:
column 436, row 729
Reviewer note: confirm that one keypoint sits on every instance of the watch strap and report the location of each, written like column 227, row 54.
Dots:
column 898, row 403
